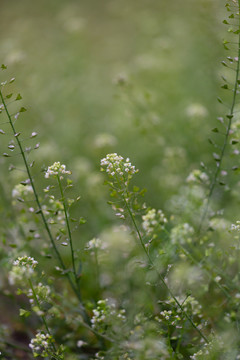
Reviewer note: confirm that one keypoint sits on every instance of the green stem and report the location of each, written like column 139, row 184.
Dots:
column 190, row 256
column 230, row 117
column 159, row 274
column 84, row 314
column 42, row 316
column 69, row 235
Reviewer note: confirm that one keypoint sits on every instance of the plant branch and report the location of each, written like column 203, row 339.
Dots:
column 84, row 314
column 230, row 118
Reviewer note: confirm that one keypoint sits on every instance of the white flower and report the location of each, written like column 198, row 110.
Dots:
column 152, row 220
column 21, row 190
column 182, row 234
column 56, row 169
column 23, row 268
column 40, row 345
column 81, row 343
column 235, row 227
column 197, row 176
column 115, row 165
column 95, row 243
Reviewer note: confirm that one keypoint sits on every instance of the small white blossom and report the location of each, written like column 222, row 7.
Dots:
column 198, row 176
column 182, row 234
column 235, row 227
column 153, row 220
column 23, row 268
column 95, row 243
column 81, row 343
column 196, row 110
column 21, row 191
column 115, row 165
column 106, row 314
column 41, row 344
column 56, row 169
column 42, row 293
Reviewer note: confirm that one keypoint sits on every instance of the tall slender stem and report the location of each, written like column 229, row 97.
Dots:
column 159, row 274
column 230, row 117
column 84, row 314
column 69, row 234
column 42, row 316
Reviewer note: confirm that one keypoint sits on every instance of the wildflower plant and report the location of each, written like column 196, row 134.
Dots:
column 174, row 293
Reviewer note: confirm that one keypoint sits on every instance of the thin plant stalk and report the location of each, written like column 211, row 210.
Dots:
column 84, row 314
column 190, row 256
column 230, row 117
column 42, row 316
column 159, row 274
column 69, row 235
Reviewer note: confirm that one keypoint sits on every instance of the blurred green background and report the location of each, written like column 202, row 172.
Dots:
column 139, row 78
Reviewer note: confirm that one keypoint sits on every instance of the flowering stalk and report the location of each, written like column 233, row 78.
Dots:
column 40, row 210
column 117, row 169
column 22, row 273
column 229, row 117
column 159, row 274
column 42, row 315
column 69, row 234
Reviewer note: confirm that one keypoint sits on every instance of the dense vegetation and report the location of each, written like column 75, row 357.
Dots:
column 119, row 180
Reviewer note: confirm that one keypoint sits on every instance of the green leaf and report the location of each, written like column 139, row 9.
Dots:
column 23, row 109
column 224, row 63
column 24, row 313
column 215, row 130
column 82, row 221
column 19, row 97
column 136, row 188
column 9, row 96
column 3, row 67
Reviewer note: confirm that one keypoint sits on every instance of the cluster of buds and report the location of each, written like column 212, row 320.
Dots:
column 117, row 166
column 154, row 220
column 106, row 314
column 57, row 170
column 23, row 268
column 41, row 345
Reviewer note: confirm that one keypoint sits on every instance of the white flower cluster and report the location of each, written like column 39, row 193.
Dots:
column 235, row 227
column 56, row 169
column 26, row 261
column 106, row 314
column 23, row 268
column 95, row 243
column 42, row 293
column 21, row 191
column 198, row 176
column 170, row 317
column 116, row 165
column 209, row 351
column 182, row 234
column 40, row 345
column 196, row 110
column 153, row 220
